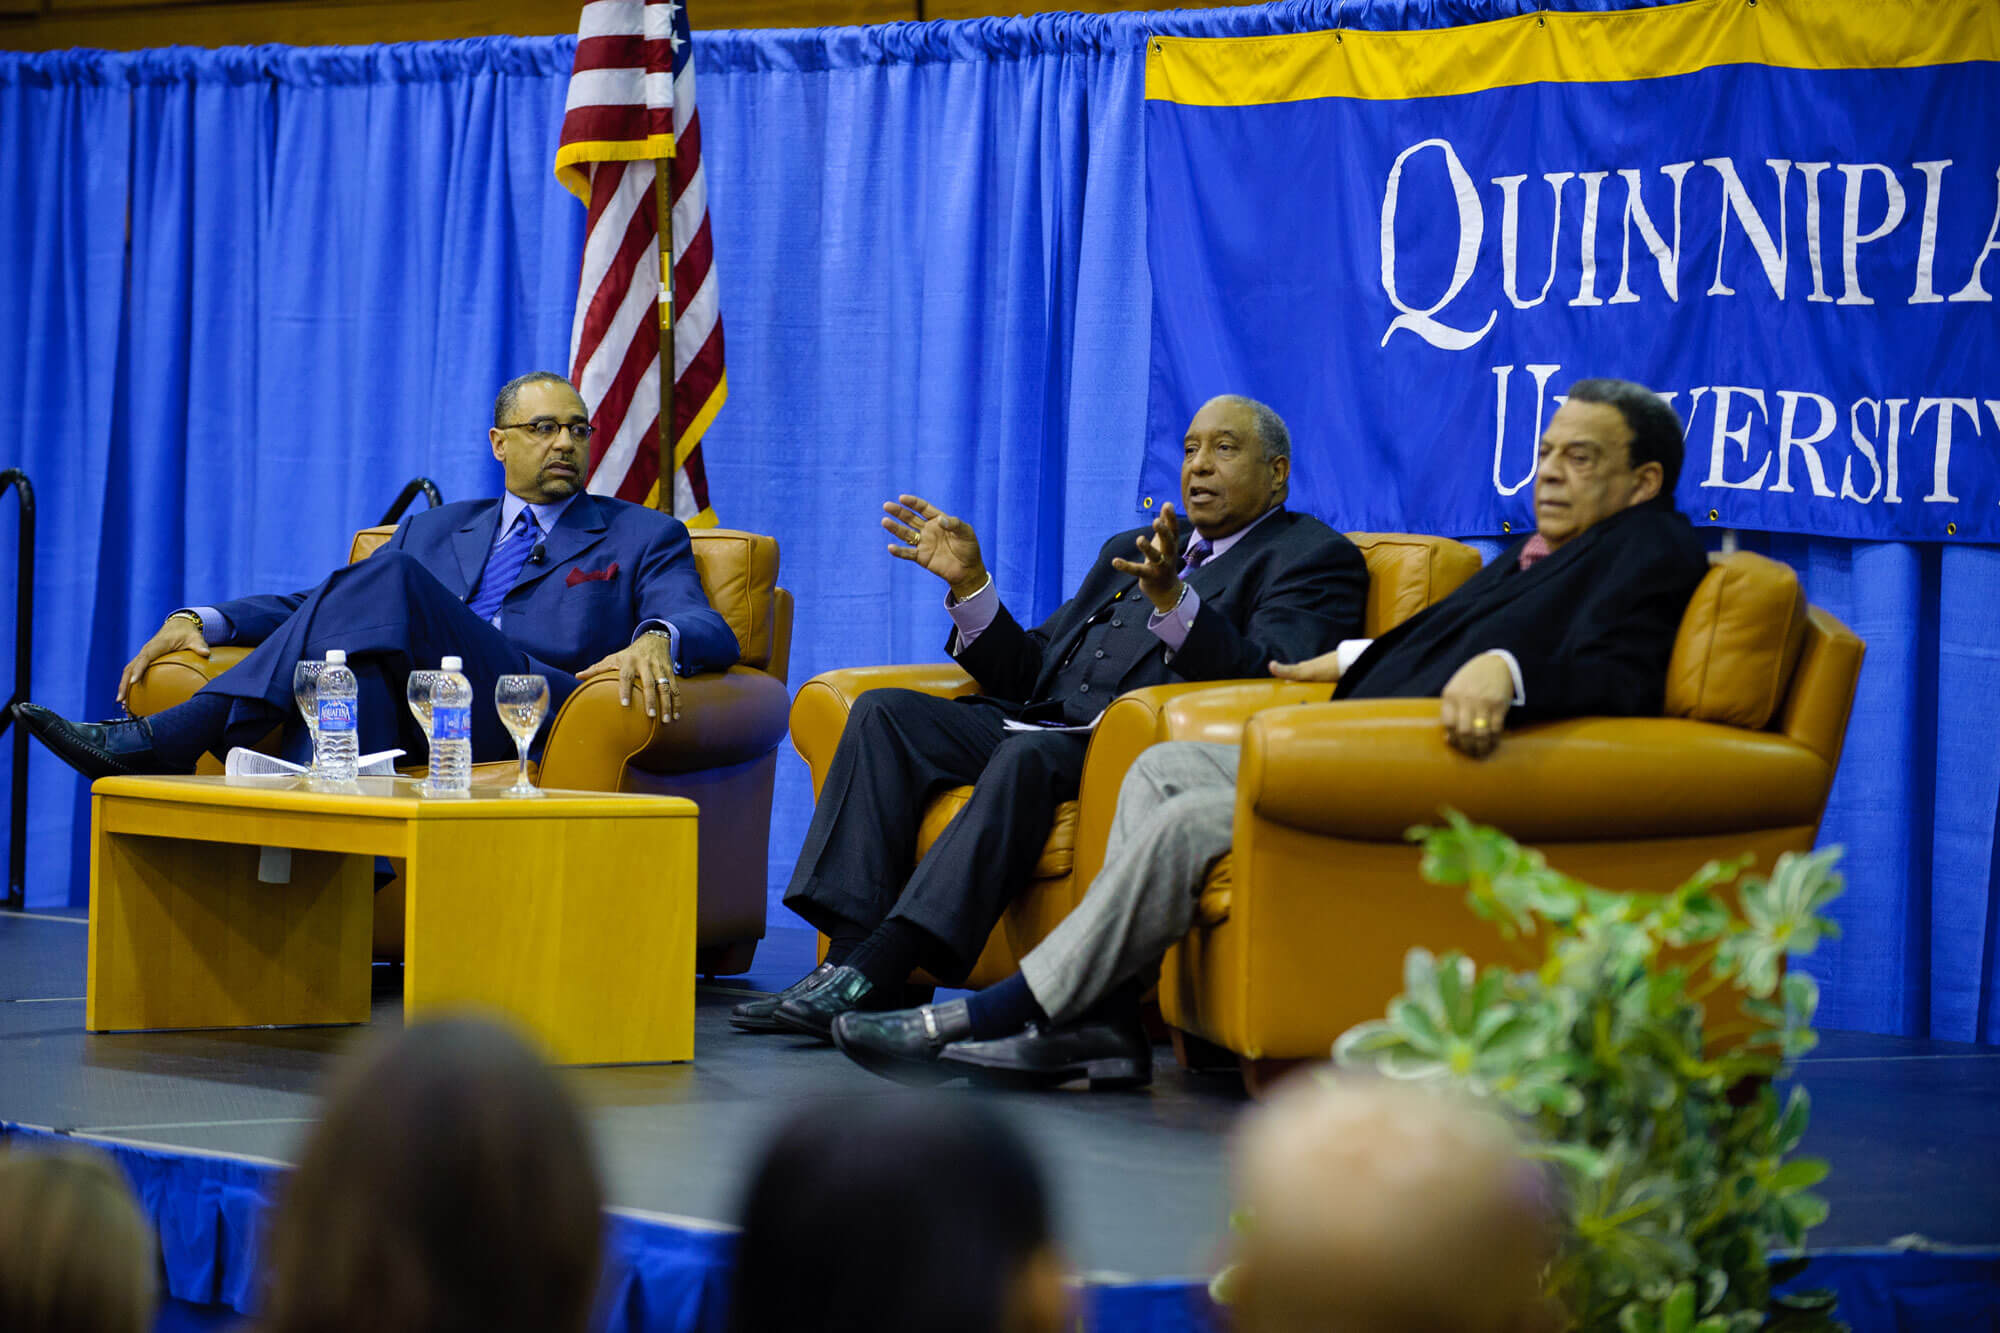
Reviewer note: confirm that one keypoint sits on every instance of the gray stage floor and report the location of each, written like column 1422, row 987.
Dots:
column 1910, row 1126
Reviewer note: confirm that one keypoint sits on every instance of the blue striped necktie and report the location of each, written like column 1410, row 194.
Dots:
column 503, row 566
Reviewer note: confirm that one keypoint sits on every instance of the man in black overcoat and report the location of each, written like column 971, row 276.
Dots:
column 1578, row 619
column 1255, row 584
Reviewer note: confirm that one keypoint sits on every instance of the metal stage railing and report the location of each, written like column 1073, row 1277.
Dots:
column 24, row 650
column 417, row 486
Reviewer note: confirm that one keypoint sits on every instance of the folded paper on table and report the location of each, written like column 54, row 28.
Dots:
column 245, row 763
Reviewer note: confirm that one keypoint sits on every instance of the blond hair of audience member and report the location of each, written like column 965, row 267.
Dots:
column 1378, row 1207
column 450, row 1187
column 75, row 1253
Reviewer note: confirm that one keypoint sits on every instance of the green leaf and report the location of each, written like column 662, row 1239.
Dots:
column 1798, row 1174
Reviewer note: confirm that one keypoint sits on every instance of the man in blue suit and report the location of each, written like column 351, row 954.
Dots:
column 548, row 579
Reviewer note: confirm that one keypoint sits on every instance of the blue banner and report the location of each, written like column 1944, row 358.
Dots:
column 1783, row 217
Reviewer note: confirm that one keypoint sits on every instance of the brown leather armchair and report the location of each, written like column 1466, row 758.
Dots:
column 1303, row 926
column 1406, row 572
column 722, row 754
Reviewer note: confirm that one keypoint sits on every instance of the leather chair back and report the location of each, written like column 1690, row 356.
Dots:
column 1408, row 572
column 738, row 571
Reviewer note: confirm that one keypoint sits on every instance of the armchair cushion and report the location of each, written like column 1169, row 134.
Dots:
column 739, row 572
column 1738, row 643
column 1407, row 572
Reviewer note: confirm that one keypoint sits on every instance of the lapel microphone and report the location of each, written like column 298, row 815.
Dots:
column 539, row 554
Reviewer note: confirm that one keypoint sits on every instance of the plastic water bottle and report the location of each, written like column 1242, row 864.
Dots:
column 451, row 731
column 339, row 746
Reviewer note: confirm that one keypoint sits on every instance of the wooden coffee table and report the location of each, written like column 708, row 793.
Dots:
column 573, row 915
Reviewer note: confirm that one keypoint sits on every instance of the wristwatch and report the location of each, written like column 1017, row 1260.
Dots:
column 185, row 614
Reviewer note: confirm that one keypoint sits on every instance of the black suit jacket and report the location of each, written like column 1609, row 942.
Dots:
column 1592, row 624
column 1291, row 588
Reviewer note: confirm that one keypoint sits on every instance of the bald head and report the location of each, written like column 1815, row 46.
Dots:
column 1383, row 1208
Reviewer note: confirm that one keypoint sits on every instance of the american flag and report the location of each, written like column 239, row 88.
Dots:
column 631, row 106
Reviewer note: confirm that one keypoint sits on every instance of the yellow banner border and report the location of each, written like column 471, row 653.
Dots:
column 1620, row 46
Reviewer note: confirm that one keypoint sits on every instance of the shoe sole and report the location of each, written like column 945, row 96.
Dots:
column 1113, row 1075
column 897, row 1069
column 756, row 1023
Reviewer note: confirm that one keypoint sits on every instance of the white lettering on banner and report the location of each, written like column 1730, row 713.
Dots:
column 1925, row 294
column 1941, row 456
column 1774, row 256
column 1875, row 433
column 1740, row 437
column 1974, row 289
column 1471, row 227
column 1502, row 374
column 1669, row 260
column 1851, row 237
column 1789, row 439
column 1586, row 285
column 1809, row 172
column 1510, row 227
column 1865, row 446
column 1764, row 222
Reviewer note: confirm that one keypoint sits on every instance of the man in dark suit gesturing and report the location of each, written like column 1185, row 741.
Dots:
column 1577, row 620
column 547, row 579
column 1255, row 583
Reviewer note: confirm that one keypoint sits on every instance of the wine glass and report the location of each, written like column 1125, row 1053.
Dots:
column 522, row 701
column 419, row 695
column 305, row 693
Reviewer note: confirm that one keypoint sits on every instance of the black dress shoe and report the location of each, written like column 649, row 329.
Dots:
column 1113, row 1054
column 813, row 1013
column 904, row 1045
column 756, row 1015
column 95, row 749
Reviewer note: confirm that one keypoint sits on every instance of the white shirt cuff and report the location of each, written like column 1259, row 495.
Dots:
column 1514, row 670
column 1348, row 651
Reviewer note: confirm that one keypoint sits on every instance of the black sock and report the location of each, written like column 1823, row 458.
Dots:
column 888, row 956
column 845, row 937
column 1003, row 1009
column 184, row 733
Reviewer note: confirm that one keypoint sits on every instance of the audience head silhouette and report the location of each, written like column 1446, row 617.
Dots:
column 903, row 1215
column 449, row 1187
column 75, row 1253
column 1387, row 1208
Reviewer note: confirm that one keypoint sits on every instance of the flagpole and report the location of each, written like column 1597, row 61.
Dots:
column 663, row 190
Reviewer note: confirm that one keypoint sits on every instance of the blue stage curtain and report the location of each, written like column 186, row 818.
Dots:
column 930, row 244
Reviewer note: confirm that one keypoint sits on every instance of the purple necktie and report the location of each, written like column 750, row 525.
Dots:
column 503, row 567
column 1198, row 550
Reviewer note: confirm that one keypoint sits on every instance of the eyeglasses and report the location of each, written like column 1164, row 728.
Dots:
column 545, row 429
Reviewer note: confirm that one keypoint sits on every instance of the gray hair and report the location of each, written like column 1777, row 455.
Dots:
column 504, row 401
column 1271, row 432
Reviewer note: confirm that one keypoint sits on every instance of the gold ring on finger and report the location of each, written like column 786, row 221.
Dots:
column 1479, row 724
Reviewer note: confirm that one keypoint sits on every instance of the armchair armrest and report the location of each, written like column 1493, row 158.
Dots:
column 1367, row 769
column 727, row 718
column 174, row 678
column 1217, row 712
column 819, row 714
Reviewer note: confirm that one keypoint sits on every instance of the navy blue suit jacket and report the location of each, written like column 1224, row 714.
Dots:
column 639, row 561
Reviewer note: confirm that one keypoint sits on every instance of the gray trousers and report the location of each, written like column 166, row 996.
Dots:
column 1176, row 812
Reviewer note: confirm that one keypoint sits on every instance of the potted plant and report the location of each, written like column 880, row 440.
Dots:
column 1642, row 1049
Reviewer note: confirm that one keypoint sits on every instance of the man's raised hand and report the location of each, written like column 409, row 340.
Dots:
column 940, row 542
column 1158, row 567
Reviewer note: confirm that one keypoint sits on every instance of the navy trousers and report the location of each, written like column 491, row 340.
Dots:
column 900, row 748
column 392, row 617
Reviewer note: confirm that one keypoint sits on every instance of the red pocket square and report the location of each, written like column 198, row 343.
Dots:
column 577, row 576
